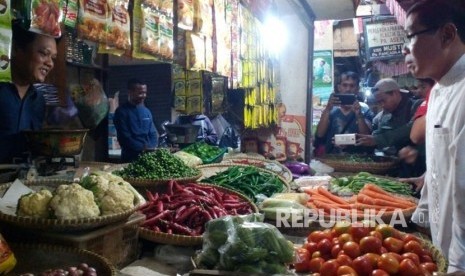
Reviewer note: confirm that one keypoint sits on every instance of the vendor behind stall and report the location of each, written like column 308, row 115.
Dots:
column 21, row 105
column 206, row 132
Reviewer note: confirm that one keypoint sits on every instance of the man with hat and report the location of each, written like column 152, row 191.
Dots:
column 392, row 125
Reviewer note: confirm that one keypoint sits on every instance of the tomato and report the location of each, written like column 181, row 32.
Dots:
column 389, row 263
column 426, row 259
column 408, row 268
column 329, row 268
column 316, row 254
column 346, row 237
column 383, row 250
column 429, row 266
column 362, row 265
column 370, row 244
column 303, row 258
column 351, row 249
column 316, row 236
column 343, row 259
column 335, row 250
column 311, row 247
column 385, row 230
column 397, row 256
column 413, row 246
column 359, row 230
column 410, row 237
column 329, row 234
column 335, row 240
column 325, row 246
column 342, row 227
column 373, row 258
column 412, row 256
column 393, row 244
column 315, row 264
column 379, row 272
column 376, row 234
column 346, row 270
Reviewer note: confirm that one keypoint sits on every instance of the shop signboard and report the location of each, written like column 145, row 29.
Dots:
column 322, row 74
column 384, row 38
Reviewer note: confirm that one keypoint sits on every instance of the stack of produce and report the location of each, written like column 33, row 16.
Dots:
column 246, row 245
column 281, row 204
column 159, row 164
column 206, row 152
column 370, row 197
column 249, row 181
column 184, row 209
column 100, row 193
column 365, row 249
column 353, row 184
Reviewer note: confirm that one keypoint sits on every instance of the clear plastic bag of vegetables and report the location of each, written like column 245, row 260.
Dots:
column 245, row 244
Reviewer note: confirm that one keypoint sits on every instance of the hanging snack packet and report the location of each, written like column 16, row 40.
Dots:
column 185, row 15
column 5, row 54
column 195, row 51
column 138, row 25
column 7, row 258
column 46, row 16
column 150, row 32
column 71, row 13
column 166, row 36
column 92, row 20
column 203, row 17
column 119, row 24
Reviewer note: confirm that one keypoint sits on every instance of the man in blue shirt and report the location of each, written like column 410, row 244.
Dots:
column 134, row 125
column 21, row 105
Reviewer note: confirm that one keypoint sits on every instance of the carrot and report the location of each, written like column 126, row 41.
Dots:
column 320, row 197
column 392, row 198
column 334, row 205
column 329, row 195
column 376, row 188
column 375, row 201
column 361, row 206
column 310, row 191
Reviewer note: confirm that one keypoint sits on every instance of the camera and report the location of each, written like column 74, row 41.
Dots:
column 346, row 99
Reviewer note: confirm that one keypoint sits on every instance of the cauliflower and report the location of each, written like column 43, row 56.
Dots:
column 112, row 193
column 34, row 204
column 73, row 202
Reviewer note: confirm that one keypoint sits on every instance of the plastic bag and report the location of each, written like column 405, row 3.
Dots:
column 245, row 244
column 92, row 103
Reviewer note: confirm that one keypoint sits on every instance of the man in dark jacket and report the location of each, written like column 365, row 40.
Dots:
column 391, row 126
column 134, row 125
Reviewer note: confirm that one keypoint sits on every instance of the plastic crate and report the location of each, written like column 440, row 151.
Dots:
column 119, row 243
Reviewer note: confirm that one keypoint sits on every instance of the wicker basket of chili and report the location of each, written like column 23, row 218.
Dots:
column 177, row 214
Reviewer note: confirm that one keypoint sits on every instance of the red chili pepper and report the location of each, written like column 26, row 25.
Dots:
column 188, row 212
column 235, row 205
column 170, row 186
column 219, row 211
column 159, row 208
column 178, row 228
column 152, row 220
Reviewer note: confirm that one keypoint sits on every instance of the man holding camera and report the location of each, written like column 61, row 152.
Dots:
column 343, row 114
column 392, row 125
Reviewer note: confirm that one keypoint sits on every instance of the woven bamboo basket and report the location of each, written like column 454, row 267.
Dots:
column 145, row 183
column 36, row 258
column 270, row 165
column 379, row 165
column 64, row 225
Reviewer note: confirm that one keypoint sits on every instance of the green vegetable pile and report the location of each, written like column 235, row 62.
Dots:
column 253, row 247
column 204, row 151
column 248, row 180
column 159, row 164
column 353, row 184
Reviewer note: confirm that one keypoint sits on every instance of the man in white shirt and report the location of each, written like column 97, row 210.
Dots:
column 436, row 49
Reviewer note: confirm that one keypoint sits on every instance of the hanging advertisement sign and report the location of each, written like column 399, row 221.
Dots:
column 322, row 74
column 384, row 38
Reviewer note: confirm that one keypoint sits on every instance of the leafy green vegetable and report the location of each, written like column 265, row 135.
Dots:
column 355, row 183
